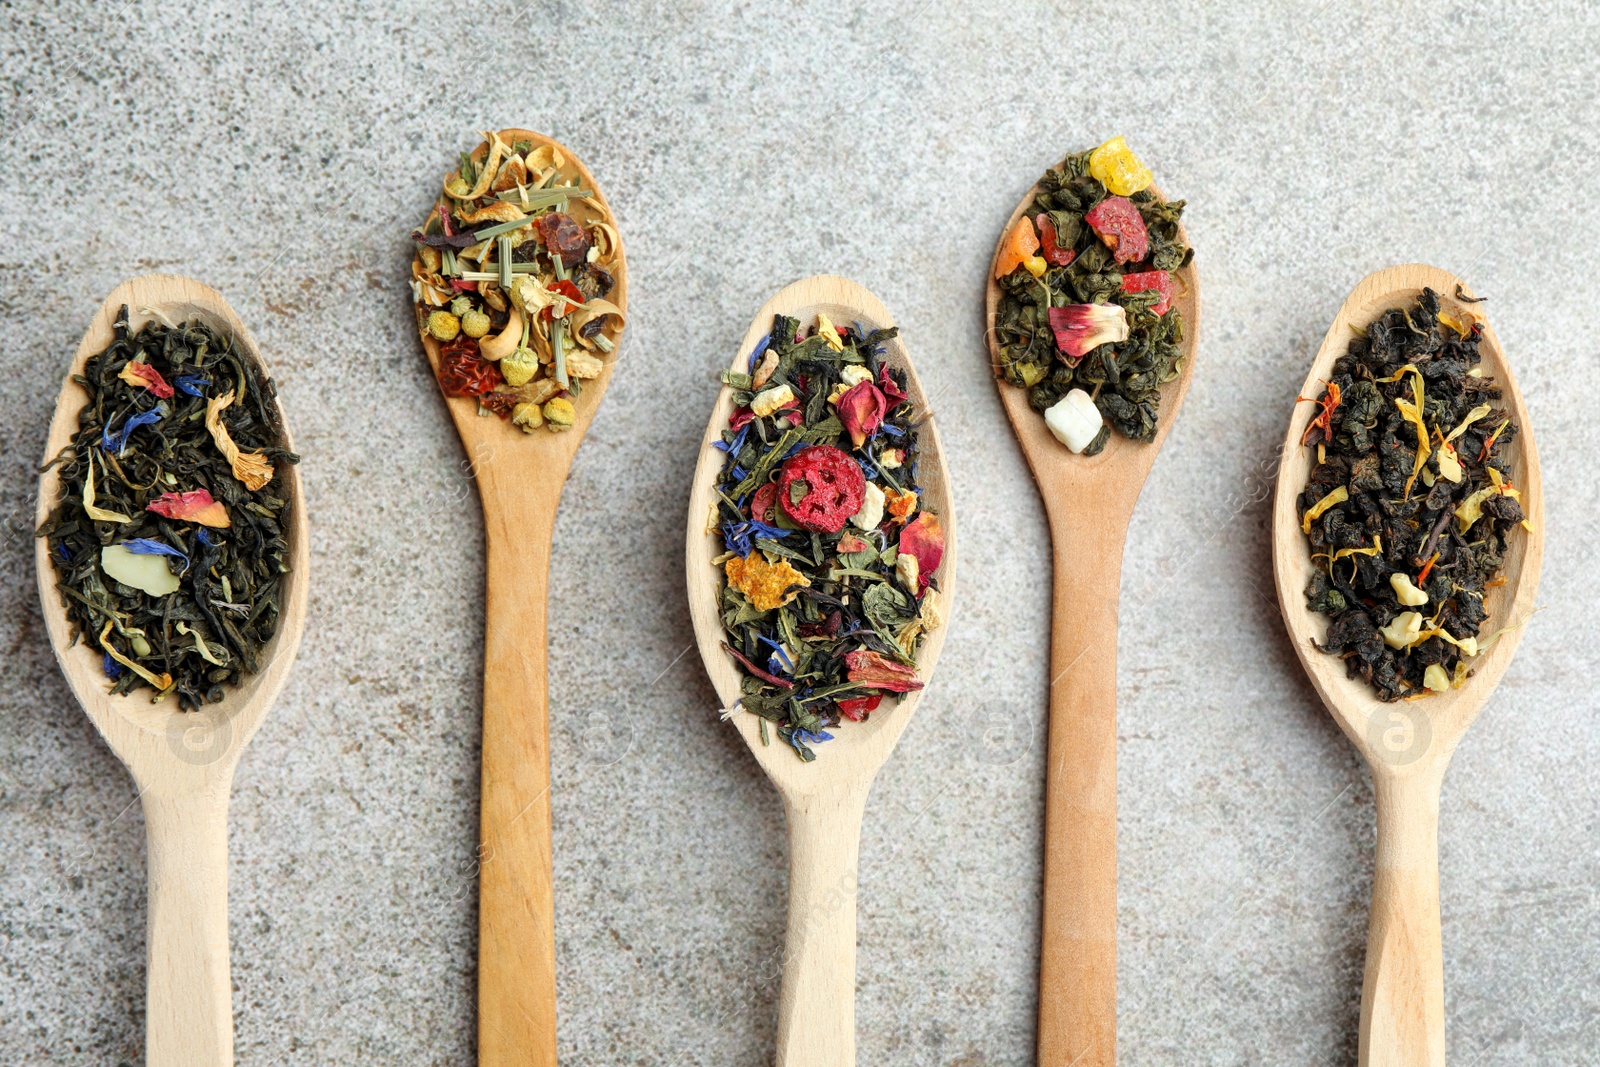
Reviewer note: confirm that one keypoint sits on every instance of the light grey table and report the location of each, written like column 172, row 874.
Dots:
column 282, row 155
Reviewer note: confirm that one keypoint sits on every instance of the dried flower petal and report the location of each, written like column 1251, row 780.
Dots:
column 923, row 539
column 195, row 506
column 138, row 373
column 1081, row 328
column 251, row 468
column 877, row 671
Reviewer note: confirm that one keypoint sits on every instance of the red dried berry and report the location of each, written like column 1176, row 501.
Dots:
column 1053, row 253
column 502, row 404
column 1120, row 226
column 1158, row 280
column 821, row 487
column 564, row 237
column 463, row 372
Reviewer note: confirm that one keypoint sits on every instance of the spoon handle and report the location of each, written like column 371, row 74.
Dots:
column 1402, row 997
column 1078, row 950
column 516, row 913
column 817, row 1010
column 189, row 996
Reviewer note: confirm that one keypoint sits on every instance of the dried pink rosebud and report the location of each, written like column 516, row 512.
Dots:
column 861, row 409
column 1081, row 328
column 197, row 506
column 877, row 671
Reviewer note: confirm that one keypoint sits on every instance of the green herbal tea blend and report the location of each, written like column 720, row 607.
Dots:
column 829, row 555
column 1409, row 508
column 169, row 536
column 1086, row 322
column 511, row 276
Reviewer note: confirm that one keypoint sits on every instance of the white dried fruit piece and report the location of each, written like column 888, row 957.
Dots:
column 770, row 400
column 1074, row 420
column 871, row 512
column 582, row 365
column 1406, row 592
column 906, row 566
column 1435, row 678
column 147, row 573
column 763, row 374
column 854, row 374
column 1404, row 631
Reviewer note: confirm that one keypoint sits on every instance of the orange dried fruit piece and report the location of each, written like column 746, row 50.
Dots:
column 767, row 585
column 1020, row 249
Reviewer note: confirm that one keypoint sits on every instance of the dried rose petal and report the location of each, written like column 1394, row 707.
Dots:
column 856, row 709
column 196, row 506
column 879, row 672
column 740, row 418
column 1081, row 328
column 861, row 409
column 890, row 389
column 923, row 539
column 138, row 373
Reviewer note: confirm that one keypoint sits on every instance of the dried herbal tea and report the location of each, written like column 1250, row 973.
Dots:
column 1408, row 509
column 829, row 555
column 168, row 539
column 511, row 275
column 1086, row 322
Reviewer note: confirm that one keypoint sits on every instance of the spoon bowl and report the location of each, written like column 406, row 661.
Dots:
column 182, row 762
column 1088, row 502
column 520, row 477
column 1407, row 745
column 825, row 800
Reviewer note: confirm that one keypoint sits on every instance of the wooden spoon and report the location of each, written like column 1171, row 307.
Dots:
column 1088, row 502
column 519, row 483
column 182, row 762
column 824, row 800
column 1407, row 745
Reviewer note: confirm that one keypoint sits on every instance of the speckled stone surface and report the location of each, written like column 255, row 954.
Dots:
column 282, row 154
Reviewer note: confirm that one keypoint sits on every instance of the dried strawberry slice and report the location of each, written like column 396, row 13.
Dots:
column 1053, row 253
column 821, row 487
column 563, row 236
column 1158, row 280
column 1120, row 226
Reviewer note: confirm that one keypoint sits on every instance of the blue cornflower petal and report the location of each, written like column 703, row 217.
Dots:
column 112, row 668
column 777, row 650
column 892, row 431
column 117, row 442
column 814, row 738
column 145, row 546
column 733, row 447
column 192, row 384
column 205, row 538
column 757, row 352
column 63, row 551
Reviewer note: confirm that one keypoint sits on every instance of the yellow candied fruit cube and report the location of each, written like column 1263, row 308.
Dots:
column 1118, row 169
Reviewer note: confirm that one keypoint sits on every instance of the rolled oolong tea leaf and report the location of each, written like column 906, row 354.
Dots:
column 511, row 275
column 829, row 555
column 169, row 536
column 1085, row 321
column 1409, row 508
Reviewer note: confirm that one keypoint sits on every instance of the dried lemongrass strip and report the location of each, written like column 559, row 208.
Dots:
column 251, row 468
